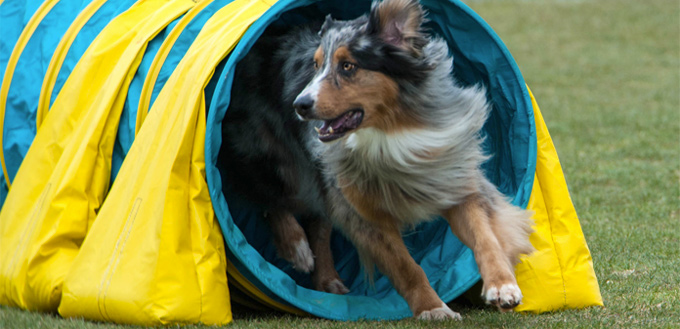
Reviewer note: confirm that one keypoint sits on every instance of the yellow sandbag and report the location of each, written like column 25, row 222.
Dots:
column 65, row 174
column 559, row 274
column 155, row 254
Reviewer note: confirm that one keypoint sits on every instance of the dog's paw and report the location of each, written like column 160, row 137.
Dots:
column 505, row 298
column 327, row 280
column 335, row 286
column 438, row 314
column 303, row 257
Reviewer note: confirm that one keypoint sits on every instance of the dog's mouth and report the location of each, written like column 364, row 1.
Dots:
column 338, row 127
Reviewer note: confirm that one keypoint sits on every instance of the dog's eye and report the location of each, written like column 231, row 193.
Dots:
column 348, row 67
column 316, row 65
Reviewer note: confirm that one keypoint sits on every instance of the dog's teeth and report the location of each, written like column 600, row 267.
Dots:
column 318, row 131
column 330, row 130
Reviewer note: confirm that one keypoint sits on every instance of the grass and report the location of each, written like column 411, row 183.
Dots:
column 607, row 77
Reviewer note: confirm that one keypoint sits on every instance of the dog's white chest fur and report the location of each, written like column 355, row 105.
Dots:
column 416, row 173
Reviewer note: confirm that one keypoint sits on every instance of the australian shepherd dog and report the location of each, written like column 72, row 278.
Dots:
column 381, row 138
column 264, row 159
column 400, row 144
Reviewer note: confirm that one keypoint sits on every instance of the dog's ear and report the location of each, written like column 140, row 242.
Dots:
column 399, row 23
column 326, row 25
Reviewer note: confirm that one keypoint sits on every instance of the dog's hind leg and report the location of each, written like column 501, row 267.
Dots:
column 324, row 277
column 473, row 222
column 290, row 240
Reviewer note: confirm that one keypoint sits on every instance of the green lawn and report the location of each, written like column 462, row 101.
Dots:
column 606, row 75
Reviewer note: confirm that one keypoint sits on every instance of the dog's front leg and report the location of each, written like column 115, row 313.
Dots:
column 324, row 277
column 290, row 240
column 385, row 247
column 382, row 245
column 472, row 222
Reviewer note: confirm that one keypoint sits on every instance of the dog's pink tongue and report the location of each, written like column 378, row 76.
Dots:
column 339, row 122
column 333, row 125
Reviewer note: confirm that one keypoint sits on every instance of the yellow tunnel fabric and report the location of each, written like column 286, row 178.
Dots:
column 65, row 174
column 155, row 254
column 559, row 274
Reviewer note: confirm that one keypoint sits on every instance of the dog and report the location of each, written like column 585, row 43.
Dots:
column 400, row 143
column 264, row 159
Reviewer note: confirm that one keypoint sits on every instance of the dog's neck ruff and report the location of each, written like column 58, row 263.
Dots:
column 418, row 172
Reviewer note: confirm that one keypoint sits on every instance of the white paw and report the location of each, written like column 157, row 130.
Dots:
column 303, row 259
column 506, row 298
column 440, row 313
column 336, row 287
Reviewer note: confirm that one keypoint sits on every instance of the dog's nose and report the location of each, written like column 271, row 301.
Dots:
column 303, row 105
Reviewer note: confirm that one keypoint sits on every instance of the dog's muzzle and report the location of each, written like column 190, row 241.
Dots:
column 303, row 105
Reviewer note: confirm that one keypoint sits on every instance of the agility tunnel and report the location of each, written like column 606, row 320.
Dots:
column 113, row 204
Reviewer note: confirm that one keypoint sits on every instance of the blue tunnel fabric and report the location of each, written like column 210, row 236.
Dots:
column 24, row 91
column 480, row 58
column 14, row 14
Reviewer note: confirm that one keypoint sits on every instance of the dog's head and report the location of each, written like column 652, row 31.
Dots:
column 361, row 68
